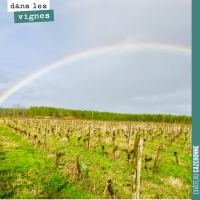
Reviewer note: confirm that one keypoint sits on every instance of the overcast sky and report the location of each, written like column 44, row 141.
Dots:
column 124, row 81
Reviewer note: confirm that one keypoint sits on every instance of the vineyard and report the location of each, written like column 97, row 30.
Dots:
column 74, row 158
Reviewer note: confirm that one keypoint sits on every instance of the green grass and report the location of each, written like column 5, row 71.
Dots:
column 28, row 171
column 25, row 173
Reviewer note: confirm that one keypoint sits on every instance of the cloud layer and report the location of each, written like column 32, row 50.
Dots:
column 127, row 81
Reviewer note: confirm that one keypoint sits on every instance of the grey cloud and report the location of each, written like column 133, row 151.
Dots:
column 128, row 81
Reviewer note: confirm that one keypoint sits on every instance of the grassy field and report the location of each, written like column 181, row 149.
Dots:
column 28, row 171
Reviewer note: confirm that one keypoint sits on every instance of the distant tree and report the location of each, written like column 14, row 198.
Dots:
column 61, row 112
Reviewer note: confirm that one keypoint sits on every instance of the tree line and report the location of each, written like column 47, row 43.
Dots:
column 85, row 114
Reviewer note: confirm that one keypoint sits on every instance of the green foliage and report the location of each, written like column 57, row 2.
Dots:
column 84, row 114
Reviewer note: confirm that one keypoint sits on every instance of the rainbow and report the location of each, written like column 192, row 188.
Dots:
column 92, row 52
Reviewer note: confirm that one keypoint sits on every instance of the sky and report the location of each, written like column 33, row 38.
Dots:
column 153, row 80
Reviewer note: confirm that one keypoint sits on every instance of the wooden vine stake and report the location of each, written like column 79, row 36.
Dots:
column 55, row 130
column 129, row 138
column 136, row 168
column 164, row 133
column 89, row 136
column 45, row 141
